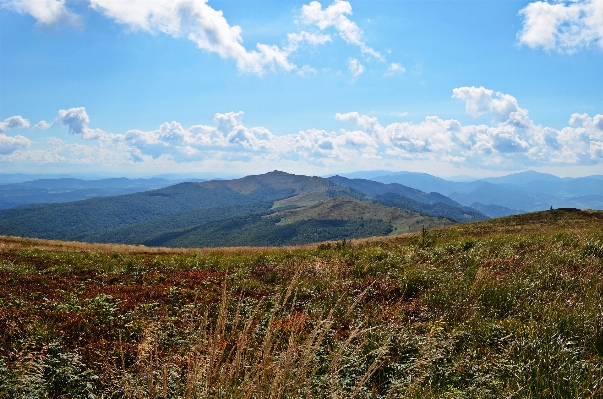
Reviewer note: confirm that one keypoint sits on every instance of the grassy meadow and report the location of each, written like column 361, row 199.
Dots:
column 505, row 308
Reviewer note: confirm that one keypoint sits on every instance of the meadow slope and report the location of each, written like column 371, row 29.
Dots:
column 509, row 307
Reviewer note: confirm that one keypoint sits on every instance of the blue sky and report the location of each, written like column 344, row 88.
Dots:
column 451, row 87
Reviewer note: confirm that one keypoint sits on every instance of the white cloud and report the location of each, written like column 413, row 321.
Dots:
column 46, row 12
column 43, row 125
column 596, row 151
column 453, row 159
column 306, row 71
column 395, row 69
column 335, row 16
column 295, row 39
column 208, row 28
column 368, row 123
column 564, row 26
column 479, row 100
column 75, row 118
column 514, row 139
column 197, row 21
column 399, row 114
column 14, row 122
column 355, row 67
column 10, row 144
column 511, row 141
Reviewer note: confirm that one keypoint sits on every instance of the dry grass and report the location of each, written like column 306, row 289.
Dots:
column 236, row 356
column 505, row 308
column 10, row 242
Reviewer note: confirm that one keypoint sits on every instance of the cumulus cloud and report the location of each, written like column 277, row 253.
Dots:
column 511, row 140
column 75, row 118
column 10, row 144
column 564, row 26
column 46, row 12
column 14, row 122
column 355, row 67
column 335, row 16
column 479, row 100
column 514, row 137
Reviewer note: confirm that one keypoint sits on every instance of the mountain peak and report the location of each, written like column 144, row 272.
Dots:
column 276, row 179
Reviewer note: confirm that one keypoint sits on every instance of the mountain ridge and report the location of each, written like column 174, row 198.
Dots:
column 245, row 211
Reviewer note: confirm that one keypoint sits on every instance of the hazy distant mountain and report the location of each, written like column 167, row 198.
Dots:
column 421, row 181
column 364, row 175
column 494, row 211
column 522, row 178
column 519, row 192
column 373, row 188
column 275, row 208
column 57, row 190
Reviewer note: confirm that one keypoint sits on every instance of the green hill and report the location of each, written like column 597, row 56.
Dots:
column 244, row 211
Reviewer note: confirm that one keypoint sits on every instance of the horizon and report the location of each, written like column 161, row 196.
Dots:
column 365, row 174
column 454, row 89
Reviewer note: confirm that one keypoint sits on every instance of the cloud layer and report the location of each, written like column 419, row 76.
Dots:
column 512, row 140
column 563, row 26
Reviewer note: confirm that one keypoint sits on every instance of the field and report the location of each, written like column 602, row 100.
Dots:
column 509, row 307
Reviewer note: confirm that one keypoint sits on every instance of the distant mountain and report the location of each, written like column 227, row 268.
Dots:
column 372, row 188
column 364, row 175
column 10, row 178
column 77, row 219
column 495, row 211
column 43, row 191
column 523, row 178
column 421, row 181
column 275, row 208
column 519, row 192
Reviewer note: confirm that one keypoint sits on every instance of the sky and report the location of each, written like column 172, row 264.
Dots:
column 476, row 88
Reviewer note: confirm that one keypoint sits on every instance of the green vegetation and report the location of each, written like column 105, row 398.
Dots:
column 250, row 211
column 75, row 220
column 509, row 307
column 439, row 209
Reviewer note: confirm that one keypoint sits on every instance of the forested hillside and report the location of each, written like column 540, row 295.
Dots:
column 254, row 210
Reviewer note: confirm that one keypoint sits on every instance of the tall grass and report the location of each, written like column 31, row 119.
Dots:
column 238, row 351
column 500, row 309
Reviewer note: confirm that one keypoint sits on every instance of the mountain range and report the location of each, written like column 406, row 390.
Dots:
column 275, row 208
column 516, row 193
column 67, row 189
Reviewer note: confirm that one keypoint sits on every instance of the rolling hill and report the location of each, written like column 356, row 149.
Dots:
column 275, row 208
